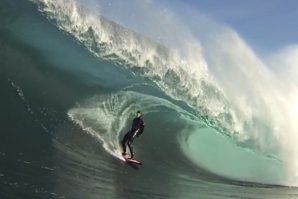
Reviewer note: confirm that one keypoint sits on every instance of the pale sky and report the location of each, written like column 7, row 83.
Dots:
column 268, row 24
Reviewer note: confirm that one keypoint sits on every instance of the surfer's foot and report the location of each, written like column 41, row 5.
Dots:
column 132, row 155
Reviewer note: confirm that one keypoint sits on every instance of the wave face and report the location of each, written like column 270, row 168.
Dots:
column 216, row 113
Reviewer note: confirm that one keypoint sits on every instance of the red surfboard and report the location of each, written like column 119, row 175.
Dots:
column 131, row 160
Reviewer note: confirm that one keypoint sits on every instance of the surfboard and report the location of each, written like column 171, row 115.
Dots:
column 131, row 160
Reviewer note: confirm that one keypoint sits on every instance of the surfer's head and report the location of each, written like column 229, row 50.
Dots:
column 139, row 113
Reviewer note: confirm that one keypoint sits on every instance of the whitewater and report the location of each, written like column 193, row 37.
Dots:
column 218, row 115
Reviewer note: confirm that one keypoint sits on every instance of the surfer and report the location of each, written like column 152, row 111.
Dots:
column 136, row 130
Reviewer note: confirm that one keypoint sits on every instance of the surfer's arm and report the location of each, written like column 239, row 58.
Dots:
column 142, row 127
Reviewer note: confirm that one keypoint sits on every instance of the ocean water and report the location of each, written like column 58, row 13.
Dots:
column 219, row 123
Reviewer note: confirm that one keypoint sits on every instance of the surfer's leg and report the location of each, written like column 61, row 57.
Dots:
column 130, row 140
column 130, row 149
column 123, row 142
column 130, row 146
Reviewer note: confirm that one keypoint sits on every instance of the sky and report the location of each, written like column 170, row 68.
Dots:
column 265, row 24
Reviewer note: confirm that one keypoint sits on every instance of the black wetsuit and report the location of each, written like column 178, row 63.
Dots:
column 136, row 130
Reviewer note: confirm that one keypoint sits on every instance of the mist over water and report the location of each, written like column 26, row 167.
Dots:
column 210, row 68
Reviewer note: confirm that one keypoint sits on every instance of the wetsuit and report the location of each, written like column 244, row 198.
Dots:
column 136, row 130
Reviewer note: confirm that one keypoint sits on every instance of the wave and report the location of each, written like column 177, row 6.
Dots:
column 105, row 116
column 164, row 66
column 228, row 86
